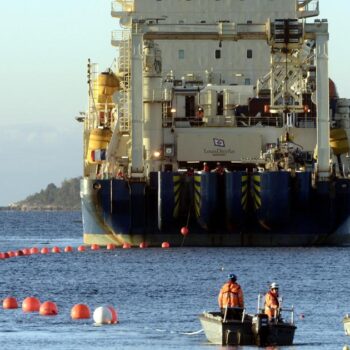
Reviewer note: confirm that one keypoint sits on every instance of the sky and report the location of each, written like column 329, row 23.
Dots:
column 44, row 48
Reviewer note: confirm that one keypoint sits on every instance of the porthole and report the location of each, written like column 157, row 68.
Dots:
column 96, row 186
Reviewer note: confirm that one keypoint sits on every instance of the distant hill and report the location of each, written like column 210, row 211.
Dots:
column 66, row 197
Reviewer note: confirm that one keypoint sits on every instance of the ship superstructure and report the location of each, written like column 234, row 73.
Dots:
column 219, row 116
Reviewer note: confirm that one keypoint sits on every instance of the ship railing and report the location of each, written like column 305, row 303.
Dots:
column 308, row 8
column 305, row 121
column 118, row 38
column 122, row 6
column 301, row 121
column 259, row 121
column 236, row 121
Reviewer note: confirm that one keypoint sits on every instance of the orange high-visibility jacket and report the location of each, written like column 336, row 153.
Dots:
column 231, row 295
column 271, row 305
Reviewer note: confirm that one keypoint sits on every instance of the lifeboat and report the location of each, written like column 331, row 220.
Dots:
column 98, row 142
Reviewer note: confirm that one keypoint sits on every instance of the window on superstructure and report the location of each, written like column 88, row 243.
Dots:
column 247, row 81
column 181, row 54
column 190, row 104
column 249, row 53
column 217, row 54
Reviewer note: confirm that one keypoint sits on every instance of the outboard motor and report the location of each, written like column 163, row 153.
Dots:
column 260, row 328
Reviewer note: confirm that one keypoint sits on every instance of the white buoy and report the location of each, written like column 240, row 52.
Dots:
column 102, row 315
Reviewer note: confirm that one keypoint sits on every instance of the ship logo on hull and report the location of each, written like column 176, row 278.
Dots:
column 219, row 142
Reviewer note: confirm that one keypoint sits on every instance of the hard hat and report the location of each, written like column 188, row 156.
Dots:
column 274, row 285
column 232, row 277
column 205, row 163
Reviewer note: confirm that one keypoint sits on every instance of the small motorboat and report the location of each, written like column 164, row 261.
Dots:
column 238, row 328
column 346, row 321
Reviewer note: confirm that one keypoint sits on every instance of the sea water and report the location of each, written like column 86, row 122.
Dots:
column 158, row 293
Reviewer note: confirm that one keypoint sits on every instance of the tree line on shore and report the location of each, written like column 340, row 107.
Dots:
column 65, row 197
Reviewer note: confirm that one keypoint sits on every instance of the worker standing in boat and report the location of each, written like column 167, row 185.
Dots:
column 219, row 169
column 272, row 306
column 230, row 296
column 205, row 168
column 199, row 116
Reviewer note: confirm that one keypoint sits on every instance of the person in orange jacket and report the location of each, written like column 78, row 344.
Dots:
column 272, row 305
column 205, row 168
column 231, row 295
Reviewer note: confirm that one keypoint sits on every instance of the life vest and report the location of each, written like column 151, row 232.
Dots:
column 200, row 114
column 271, row 305
column 219, row 169
column 231, row 295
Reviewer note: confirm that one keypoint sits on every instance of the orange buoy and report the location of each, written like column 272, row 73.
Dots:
column 68, row 249
column 45, row 250
column 48, row 308
column 80, row 311
column 2, row 255
column 56, row 250
column 110, row 246
column 10, row 303
column 26, row 251
column 34, row 250
column 126, row 245
column 165, row 245
column 31, row 304
column 6, row 255
column 95, row 247
column 114, row 314
column 19, row 253
column 143, row 245
column 184, row 231
column 81, row 248
column 11, row 254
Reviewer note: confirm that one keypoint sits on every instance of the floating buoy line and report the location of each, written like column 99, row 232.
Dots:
column 80, row 248
column 102, row 314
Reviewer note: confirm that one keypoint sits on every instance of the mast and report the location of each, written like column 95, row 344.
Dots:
column 322, row 99
column 137, row 160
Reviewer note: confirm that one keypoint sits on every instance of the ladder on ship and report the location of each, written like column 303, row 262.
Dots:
column 124, row 73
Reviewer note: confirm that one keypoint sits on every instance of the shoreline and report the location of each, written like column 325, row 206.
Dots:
column 36, row 208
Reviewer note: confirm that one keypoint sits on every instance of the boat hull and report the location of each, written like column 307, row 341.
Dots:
column 240, row 332
column 346, row 322
column 219, row 210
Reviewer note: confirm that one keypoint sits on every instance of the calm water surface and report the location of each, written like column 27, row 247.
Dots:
column 158, row 293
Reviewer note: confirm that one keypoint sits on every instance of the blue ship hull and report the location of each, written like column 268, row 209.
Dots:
column 233, row 209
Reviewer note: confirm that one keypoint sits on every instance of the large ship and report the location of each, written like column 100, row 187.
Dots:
column 218, row 125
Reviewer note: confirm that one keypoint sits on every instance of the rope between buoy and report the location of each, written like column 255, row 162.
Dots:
column 182, row 333
column 193, row 333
